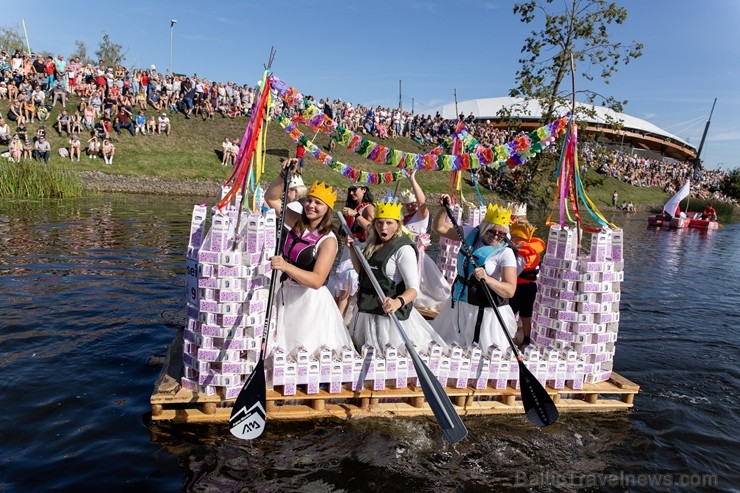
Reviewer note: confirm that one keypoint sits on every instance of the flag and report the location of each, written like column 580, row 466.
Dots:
column 672, row 204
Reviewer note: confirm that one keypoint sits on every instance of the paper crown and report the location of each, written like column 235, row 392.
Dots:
column 517, row 208
column 407, row 197
column 296, row 181
column 388, row 210
column 324, row 193
column 496, row 214
column 523, row 230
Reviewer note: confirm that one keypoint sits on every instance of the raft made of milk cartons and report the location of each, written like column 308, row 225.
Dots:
column 574, row 332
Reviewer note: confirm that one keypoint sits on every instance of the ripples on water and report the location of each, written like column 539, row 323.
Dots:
column 92, row 288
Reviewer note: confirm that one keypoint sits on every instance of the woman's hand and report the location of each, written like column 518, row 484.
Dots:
column 444, row 199
column 278, row 262
column 412, row 175
column 391, row 305
column 349, row 240
column 348, row 211
column 480, row 273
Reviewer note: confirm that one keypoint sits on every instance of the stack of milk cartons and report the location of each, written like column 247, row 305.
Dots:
column 228, row 276
column 576, row 310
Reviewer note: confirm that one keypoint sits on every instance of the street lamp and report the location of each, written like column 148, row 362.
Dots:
column 172, row 24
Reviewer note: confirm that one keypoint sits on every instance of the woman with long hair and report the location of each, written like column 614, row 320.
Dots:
column 306, row 313
column 469, row 317
column 358, row 212
column 393, row 258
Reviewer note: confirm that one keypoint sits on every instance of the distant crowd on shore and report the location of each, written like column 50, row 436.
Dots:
column 140, row 101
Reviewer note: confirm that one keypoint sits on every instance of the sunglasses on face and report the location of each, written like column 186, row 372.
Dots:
column 495, row 234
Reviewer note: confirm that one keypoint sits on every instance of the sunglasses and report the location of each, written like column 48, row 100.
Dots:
column 496, row 234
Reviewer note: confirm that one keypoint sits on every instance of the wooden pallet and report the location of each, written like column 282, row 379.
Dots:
column 173, row 403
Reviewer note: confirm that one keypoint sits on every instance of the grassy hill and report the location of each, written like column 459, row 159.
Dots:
column 192, row 152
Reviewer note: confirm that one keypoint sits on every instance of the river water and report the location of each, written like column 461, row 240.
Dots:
column 92, row 288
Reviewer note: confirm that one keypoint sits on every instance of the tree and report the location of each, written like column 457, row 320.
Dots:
column 730, row 186
column 11, row 39
column 110, row 53
column 580, row 32
column 81, row 52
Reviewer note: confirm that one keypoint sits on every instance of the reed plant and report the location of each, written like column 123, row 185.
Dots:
column 32, row 179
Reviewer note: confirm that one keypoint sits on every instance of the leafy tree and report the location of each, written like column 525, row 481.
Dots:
column 579, row 33
column 110, row 53
column 575, row 35
column 81, row 52
column 11, row 39
column 730, row 186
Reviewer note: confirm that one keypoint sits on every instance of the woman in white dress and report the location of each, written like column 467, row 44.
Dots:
column 469, row 317
column 307, row 315
column 358, row 212
column 434, row 289
column 392, row 257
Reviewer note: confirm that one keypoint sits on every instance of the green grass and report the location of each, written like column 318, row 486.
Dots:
column 32, row 179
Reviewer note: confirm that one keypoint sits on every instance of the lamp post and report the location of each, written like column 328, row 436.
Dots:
column 172, row 25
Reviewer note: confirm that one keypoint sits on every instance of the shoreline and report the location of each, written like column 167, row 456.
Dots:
column 98, row 181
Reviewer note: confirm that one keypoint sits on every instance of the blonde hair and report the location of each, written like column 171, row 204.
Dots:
column 373, row 240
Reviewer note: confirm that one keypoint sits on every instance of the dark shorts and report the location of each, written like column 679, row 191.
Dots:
column 523, row 299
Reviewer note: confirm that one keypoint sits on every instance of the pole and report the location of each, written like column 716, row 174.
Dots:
column 457, row 115
column 697, row 161
column 399, row 95
column 172, row 25
column 25, row 33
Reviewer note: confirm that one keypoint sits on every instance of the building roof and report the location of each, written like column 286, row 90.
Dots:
column 488, row 108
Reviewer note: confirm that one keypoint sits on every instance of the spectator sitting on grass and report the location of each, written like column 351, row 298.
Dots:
column 93, row 146
column 163, row 124
column 42, row 150
column 140, row 123
column 108, row 151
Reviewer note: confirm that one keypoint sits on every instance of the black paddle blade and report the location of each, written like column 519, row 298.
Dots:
column 247, row 419
column 449, row 421
column 538, row 404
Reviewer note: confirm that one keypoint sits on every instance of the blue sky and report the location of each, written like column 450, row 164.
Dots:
column 360, row 50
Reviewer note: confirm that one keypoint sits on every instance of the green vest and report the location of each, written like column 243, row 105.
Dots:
column 367, row 299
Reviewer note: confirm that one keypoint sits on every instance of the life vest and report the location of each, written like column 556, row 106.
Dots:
column 367, row 299
column 466, row 287
column 298, row 250
column 530, row 251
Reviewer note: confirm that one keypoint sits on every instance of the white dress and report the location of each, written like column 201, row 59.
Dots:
column 308, row 317
column 380, row 330
column 434, row 289
column 458, row 324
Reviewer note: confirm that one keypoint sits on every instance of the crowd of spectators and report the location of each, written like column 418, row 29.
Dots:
column 114, row 99
column 670, row 175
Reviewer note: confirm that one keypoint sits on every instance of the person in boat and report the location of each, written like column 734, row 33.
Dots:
column 358, row 211
column 528, row 250
column 709, row 213
column 434, row 288
column 469, row 317
column 306, row 313
column 393, row 258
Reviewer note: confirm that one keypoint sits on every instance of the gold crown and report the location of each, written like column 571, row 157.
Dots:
column 324, row 193
column 388, row 210
column 496, row 214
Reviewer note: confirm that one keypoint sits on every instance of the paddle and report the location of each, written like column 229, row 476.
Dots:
column 247, row 418
column 538, row 405
column 449, row 421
